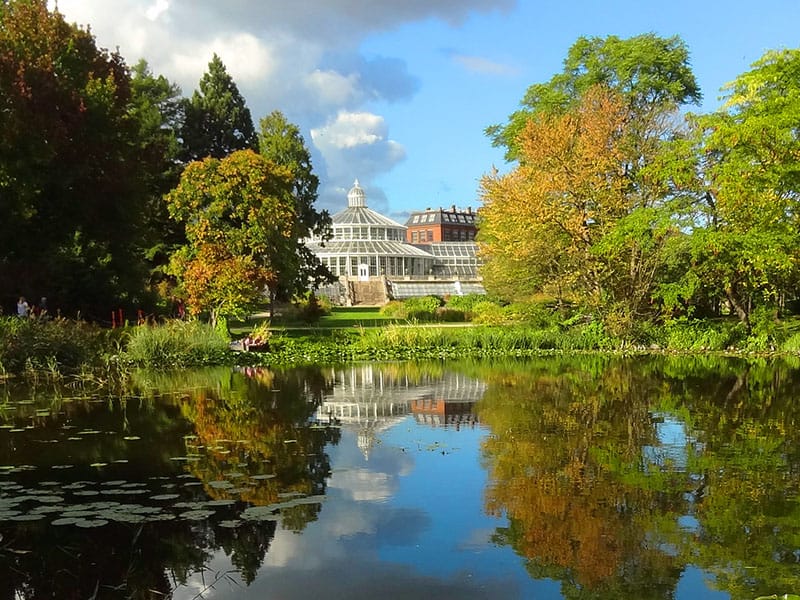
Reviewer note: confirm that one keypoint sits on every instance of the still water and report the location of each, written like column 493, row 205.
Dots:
column 589, row 477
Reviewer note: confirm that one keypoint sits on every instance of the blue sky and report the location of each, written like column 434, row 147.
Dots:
column 397, row 93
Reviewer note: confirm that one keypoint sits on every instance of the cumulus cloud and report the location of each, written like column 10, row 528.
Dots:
column 302, row 58
column 355, row 145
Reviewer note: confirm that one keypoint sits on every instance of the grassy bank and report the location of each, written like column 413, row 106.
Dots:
column 61, row 347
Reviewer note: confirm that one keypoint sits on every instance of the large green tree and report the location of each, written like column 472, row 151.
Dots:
column 281, row 142
column 649, row 72
column 242, row 229
column 217, row 120
column 742, row 165
column 72, row 179
column 158, row 107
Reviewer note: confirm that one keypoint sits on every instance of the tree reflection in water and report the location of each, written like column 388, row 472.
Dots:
column 576, row 463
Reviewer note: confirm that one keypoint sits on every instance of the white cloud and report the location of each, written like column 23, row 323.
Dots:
column 301, row 58
column 349, row 130
column 156, row 9
column 332, row 88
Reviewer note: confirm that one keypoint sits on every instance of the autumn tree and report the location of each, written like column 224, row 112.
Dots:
column 570, row 219
column 72, row 180
column 217, row 120
column 281, row 142
column 241, row 225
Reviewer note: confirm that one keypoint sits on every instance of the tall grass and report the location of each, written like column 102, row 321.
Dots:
column 176, row 344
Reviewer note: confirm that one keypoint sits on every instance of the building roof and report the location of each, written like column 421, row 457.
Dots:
column 368, row 247
column 363, row 216
column 441, row 216
column 357, row 212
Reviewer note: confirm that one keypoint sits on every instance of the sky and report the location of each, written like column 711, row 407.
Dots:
column 397, row 93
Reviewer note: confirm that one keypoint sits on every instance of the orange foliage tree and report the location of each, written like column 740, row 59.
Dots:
column 242, row 231
column 576, row 218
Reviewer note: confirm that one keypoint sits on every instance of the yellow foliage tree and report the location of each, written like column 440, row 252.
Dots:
column 573, row 219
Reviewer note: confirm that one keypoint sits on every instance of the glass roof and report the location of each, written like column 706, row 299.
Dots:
column 368, row 247
column 361, row 215
column 464, row 249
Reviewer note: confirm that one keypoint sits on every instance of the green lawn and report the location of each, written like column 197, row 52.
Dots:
column 343, row 317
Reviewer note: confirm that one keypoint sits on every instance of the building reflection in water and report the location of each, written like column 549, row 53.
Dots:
column 372, row 400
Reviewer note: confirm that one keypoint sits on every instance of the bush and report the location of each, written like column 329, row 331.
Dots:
column 422, row 308
column 488, row 313
column 56, row 344
column 395, row 308
column 445, row 314
column 464, row 303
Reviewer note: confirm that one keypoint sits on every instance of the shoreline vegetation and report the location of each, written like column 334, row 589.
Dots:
column 417, row 329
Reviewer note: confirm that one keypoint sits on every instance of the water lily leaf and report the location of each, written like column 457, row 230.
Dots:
column 220, row 502
column 259, row 477
column 27, row 517
column 232, row 524
column 86, row 524
column 62, row 466
column 220, row 485
column 48, row 499
column 98, row 464
column 65, row 521
column 131, row 438
column 165, row 497
column 196, row 515
column 260, row 513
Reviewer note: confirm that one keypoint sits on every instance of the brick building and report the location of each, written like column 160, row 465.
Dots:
column 441, row 225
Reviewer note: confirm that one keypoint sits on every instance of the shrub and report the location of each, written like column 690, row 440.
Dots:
column 56, row 344
column 445, row 314
column 488, row 313
column 422, row 308
column 464, row 303
column 395, row 308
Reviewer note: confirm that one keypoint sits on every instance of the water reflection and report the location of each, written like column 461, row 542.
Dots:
column 587, row 477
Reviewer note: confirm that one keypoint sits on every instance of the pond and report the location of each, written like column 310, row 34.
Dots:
column 549, row 478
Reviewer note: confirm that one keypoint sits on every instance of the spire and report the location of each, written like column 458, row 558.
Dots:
column 356, row 196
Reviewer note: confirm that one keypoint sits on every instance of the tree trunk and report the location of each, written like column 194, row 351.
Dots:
column 737, row 305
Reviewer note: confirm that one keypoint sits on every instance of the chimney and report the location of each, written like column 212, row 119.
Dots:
column 469, row 210
column 453, row 208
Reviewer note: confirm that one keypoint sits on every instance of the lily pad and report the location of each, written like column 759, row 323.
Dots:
column 196, row 515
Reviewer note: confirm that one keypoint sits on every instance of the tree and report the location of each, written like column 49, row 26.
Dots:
column 242, row 228
column 158, row 107
column 281, row 142
column 648, row 71
column 741, row 165
column 71, row 178
column 573, row 215
column 217, row 121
